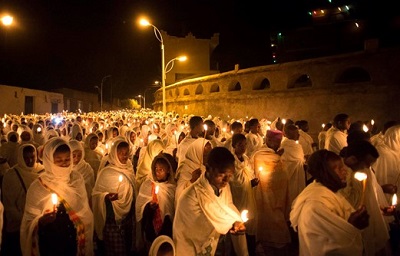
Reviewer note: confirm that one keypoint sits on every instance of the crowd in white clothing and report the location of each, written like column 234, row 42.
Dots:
column 133, row 181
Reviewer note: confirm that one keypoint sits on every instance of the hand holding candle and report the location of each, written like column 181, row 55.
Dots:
column 361, row 176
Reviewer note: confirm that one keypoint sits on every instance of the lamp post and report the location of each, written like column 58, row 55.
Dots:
column 155, row 85
column 101, row 91
column 159, row 37
column 7, row 20
column 144, row 100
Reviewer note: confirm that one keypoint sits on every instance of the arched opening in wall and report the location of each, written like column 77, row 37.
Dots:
column 261, row 84
column 235, row 87
column 214, row 88
column 186, row 92
column 199, row 90
column 353, row 75
column 300, row 81
column 176, row 92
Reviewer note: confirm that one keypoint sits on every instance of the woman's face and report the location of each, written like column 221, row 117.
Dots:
column 93, row 143
column 76, row 156
column 29, row 158
column 78, row 137
column 132, row 137
column 162, row 171
column 123, row 154
column 339, row 168
column 240, row 147
column 62, row 159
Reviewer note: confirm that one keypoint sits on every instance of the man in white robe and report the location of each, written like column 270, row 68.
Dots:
column 254, row 139
column 196, row 130
column 293, row 161
column 205, row 210
column 326, row 222
column 336, row 136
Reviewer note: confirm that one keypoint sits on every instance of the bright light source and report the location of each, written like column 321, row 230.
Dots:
column 182, row 58
column 7, row 20
column 144, row 22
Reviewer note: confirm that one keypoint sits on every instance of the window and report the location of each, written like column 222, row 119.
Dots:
column 235, row 87
column 262, row 85
column 214, row 88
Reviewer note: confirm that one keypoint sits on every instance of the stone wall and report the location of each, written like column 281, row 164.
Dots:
column 365, row 85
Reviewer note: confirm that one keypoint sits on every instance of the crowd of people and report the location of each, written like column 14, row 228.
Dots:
column 145, row 183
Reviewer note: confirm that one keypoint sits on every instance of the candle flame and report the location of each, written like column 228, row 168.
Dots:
column 243, row 215
column 205, row 127
column 323, row 126
column 120, row 178
column 360, row 176
column 372, row 122
column 394, row 199
column 39, row 129
column 157, row 189
column 365, row 128
column 224, row 129
column 260, row 168
column 284, row 121
column 54, row 198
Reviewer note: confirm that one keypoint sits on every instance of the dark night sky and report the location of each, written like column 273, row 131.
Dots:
column 76, row 43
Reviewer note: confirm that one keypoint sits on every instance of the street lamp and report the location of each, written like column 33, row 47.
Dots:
column 7, row 20
column 159, row 37
column 180, row 58
column 101, row 91
column 144, row 100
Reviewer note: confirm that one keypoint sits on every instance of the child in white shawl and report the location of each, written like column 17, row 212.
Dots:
column 81, row 166
column 113, row 200
column 155, row 206
column 69, row 188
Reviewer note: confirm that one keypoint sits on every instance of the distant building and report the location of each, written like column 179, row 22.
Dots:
column 17, row 100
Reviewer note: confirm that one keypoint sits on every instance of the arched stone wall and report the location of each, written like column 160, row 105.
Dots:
column 364, row 85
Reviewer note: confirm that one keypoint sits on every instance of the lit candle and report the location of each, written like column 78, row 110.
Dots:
column 361, row 176
column 260, row 170
column 243, row 215
column 365, row 128
column 157, row 189
column 39, row 129
column 119, row 182
column 54, row 200
column 283, row 121
column 394, row 200
column 372, row 122
column 323, row 126
column 205, row 130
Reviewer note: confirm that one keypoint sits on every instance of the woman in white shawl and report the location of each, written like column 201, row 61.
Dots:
column 144, row 167
column 81, row 166
column 16, row 182
column 190, row 169
column 155, row 204
column 113, row 200
column 69, row 188
column 205, row 210
column 92, row 156
column 38, row 136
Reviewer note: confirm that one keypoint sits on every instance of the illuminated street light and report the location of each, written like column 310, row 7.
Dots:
column 157, row 33
column 180, row 58
column 140, row 101
column 7, row 20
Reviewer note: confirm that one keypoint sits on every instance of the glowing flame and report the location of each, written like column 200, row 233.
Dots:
column 157, row 189
column 323, row 126
column 120, row 178
column 54, row 198
column 260, row 168
column 244, row 215
column 39, row 129
column 372, row 122
column 283, row 121
column 360, row 176
column 205, row 127
column 224, row 129
column 365, row 128
column 394, row 199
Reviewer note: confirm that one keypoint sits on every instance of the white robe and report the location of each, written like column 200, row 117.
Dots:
column 335, row 140
column 320, row 217
column 201, row 217
column 293, row 164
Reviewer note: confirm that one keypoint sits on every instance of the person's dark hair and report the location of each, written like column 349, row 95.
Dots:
column 236, row 138
column 340, row 118
column 220, row 158
column 360, row 149
column 290, row 130
column 28, row 149
column 357, row 135
column 63, row 148
column 302, row 124
column 13, row 138
column 236, row 125
column 167, row 159
column 318, row 167
column 356, row 126
column 195, row 121
column 164, row 248
column 253, row 122
column 123, row 144
column 389, row 124
column 210, row 124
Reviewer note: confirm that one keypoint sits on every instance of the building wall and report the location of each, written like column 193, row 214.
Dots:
column 321, row 91
column 197, row 50
column 13, row 100
column 85, row 101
